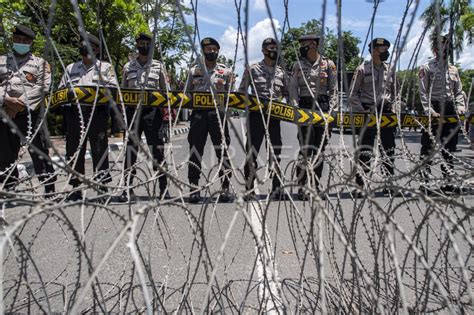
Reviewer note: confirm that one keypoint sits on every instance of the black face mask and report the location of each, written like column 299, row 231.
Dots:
column 272, row 54
column 304, row 51
column 384, row 56
column 83, row 51
column 212, row 56
column 446, row 54
column 144, row 51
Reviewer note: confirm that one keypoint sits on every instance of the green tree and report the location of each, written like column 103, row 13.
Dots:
column 410, row 91
column 351, row 49
column 455, row 17
column 467, row 79
column 118, row 20
column 290, row 44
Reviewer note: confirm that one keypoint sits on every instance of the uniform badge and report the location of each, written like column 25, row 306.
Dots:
column 421, row 74
column 380, row 41
column 197, row 71
column 30, row 77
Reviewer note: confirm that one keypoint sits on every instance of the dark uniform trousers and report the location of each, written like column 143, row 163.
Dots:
column 446, row 135
column 205, row 122
column 255, row 136
column 147, row 121
column 366, row 141
column 97, row 136
column 11, row 144
column 311, row 138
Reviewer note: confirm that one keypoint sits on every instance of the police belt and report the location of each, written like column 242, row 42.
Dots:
column 446, row 108
column 387, row 107
column 308, row 102
column 102, row 96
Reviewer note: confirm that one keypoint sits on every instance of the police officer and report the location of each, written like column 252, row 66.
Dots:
column 441, row 95
column 313, row 85
column 267, row 80
column 146, row 73
column 204, row 121
column 86, row 120
column 24, row 81
column 373, row 90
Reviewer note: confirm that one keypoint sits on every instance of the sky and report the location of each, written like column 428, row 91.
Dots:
column 219, row 19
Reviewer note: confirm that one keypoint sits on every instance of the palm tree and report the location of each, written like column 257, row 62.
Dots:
column 456, row 17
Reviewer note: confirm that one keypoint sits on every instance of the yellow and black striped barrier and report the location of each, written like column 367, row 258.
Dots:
column 98, row 96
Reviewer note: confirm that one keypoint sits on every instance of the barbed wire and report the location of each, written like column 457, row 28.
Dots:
column 406, row 252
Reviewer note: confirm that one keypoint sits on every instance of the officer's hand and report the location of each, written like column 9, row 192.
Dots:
column 435, row 114
column 14, row 103
column 461, row 110
column 10, row 112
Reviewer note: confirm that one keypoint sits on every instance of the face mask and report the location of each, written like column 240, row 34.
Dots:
column 212, row 56
column 144, row 51
column 384, row 56
column 83, row 51
column 304, row 51
column 21, row 49
column 446, row 54
column 272, row 54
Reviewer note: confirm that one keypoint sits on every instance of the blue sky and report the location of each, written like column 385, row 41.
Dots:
column 218, row 18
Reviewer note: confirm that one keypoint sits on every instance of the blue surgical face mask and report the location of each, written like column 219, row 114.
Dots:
column 21, row 49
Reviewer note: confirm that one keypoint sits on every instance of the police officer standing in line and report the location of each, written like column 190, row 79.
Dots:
column 204, row 121
column 373, row 90
column 267, row 80
column 92, row 120
column 145, row 73
column 441, row 95
column 24, row 81
column 313, row 85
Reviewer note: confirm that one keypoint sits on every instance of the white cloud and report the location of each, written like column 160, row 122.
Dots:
column 412, row 41
column 256, row 34
column 212, row 21
column 466, row 59
column 348, row 24
column 259, row 5
column 220, row 3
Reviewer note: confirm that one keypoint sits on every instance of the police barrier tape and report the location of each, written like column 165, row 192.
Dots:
column 97, row 96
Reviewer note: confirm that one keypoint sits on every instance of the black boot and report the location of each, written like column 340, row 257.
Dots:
column 49, row 191
column 74, row 196
column 195, row 197
column 128, row 195
column 303, row 195
column 226, row 195
column 102, row 194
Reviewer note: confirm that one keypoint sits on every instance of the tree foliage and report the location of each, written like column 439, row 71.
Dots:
column 116, row 21
column 410, row 91
column 454, row 17
column 290, row 44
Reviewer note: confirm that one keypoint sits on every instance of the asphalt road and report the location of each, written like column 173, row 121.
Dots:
column 375, row 254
